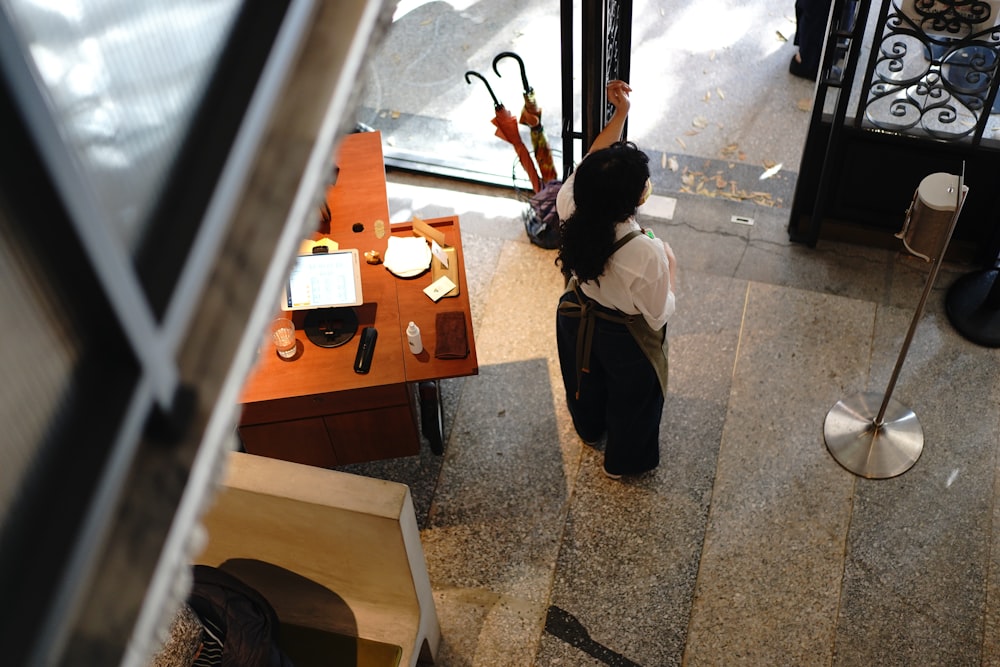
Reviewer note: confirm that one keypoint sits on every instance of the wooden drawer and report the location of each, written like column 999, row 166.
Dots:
column 299, row 440
column 319, row 405
column 328, row 440
column 370, row 435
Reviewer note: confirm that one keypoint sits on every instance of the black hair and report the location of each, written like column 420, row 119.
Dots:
column 607, row 189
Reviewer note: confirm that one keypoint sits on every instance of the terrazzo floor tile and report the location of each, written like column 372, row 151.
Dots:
column 500, row 503
column 628, row 558
column 483, row 628
column 704, row 336
column 522, row 304
column 991, row 614
column 702, row 236
column 502, row 495
column 920, row 543
column 831, row 268
column 705, row 238
column 909, row 279
column 768, row 585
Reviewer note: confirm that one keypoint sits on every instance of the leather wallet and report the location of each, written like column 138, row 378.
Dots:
column 452, row 342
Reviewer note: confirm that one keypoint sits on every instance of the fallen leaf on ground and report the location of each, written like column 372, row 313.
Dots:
column 700, row 123
column 805, row 104
column 729, row 150
column 681, row 142
column 673, row 164
column 781, row 37
column 770, row 172
column 697, row 183
column 718, row 91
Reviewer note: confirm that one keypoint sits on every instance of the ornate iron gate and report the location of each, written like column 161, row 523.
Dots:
column 933, row 73
column 902, row 93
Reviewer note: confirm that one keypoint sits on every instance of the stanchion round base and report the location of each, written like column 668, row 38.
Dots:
column 875, row 452
column 969, row 308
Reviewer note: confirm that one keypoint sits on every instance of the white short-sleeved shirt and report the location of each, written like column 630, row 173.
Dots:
column 636, row 278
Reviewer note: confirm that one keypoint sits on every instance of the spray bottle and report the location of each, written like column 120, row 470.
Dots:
column 413, row 338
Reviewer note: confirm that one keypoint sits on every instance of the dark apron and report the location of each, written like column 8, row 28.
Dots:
column 652, row 342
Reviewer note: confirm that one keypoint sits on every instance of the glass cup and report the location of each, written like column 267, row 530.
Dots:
column 283, row 335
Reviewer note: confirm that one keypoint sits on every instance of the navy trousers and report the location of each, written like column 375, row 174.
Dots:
column 620, row 396
column 811, row 22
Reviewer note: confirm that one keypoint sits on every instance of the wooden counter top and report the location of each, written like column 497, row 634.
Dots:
column 390, row 303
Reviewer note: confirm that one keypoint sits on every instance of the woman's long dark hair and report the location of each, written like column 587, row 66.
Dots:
column 608, row 185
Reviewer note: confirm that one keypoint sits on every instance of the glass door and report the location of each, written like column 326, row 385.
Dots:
column 431, row 88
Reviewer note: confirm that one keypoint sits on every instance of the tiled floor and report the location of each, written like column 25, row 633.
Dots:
column 750, row 545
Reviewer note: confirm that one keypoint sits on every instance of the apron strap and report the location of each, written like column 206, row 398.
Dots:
column 623, row 240
column 587, row 310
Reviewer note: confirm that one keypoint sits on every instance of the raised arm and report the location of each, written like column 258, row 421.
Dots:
column 618, row 92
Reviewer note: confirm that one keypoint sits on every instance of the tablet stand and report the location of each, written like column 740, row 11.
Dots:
column 331, row 327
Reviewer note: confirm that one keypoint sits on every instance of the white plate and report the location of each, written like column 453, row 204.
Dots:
column 407, row 257
column 407, row 274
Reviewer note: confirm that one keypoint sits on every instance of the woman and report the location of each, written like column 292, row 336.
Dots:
column 611, row 321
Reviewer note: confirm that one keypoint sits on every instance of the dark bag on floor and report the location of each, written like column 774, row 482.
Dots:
column 242, row 620
column 540, row 218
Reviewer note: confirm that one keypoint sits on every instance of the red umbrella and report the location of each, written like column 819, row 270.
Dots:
column 531, row 115
column 507, row 130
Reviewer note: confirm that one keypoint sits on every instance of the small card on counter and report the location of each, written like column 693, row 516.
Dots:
column 439, row 288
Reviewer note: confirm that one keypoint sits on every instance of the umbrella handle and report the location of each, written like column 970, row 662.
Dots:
column 524, row 75
column 496, row 102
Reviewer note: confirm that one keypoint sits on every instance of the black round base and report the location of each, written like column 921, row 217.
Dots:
column 973, row 307
column 330, row 327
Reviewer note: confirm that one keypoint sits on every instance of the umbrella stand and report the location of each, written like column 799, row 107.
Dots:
column 531, row 115
column 507, row 130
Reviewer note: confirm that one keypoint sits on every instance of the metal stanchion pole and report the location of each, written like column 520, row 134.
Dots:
column 880, row 440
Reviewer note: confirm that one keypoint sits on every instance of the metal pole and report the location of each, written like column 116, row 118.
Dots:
column 931, row 277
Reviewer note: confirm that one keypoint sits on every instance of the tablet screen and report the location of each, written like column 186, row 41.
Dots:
column 324, row 280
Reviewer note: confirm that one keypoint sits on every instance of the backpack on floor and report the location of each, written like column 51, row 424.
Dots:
column 541, row 221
